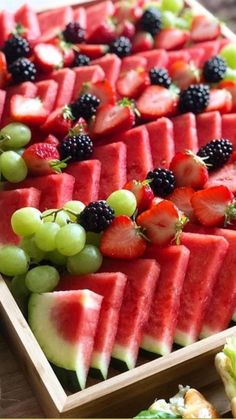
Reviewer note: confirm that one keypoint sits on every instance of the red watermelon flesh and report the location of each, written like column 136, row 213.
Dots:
column 161, row 142
column 229, row 128
column 55, row 190
column 113, row 167
column 80, row 16
column 133, row 62
column 208, row 127
column 155, row 58
column 29, row 20
column 70, row 319
column 97, row 13
column 185, row 132
column 53, row 21
column 159, row 333
column 66, row 80
column 224, row 176
column 222, row 304
column 47, row 92
column 139, row 157
column 2, row 102
column 91, row 74
column 111, row 65
column 207, row 253
column 111, row 286
column 210, row 48
column 142, row 278
column 87, row 177
column 7, row 25
column 10, row 201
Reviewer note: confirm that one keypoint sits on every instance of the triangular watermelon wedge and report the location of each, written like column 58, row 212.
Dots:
column 64, row 324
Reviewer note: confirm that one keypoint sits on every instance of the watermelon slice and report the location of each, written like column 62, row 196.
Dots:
column 159, row 332
column 161, row 142
column 7, row 25
column 139, row 156
column 80, row 16
column 113, row 170
column 54, row 21
column 87, row 177
column 224, row 176
column 97, row 13
column 155, row 58
column 29, row 20
column 208, row 127
column 185, row 124
column 142, row 278
column 66, row 80
column 47, row 92
column 222, row 304
column 229, row 128
column 92, row 74
column 55, row 190
column 10, row 201
column 70, row 320
column 133, row 62
column 111, row 286
column 111, row 65
column 207, row 253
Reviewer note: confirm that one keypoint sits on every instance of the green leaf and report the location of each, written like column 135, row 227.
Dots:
column 153, row 414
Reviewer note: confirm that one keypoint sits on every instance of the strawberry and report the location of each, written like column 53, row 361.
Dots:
column 143, row 193
column 27, row 110
column 42, row 159
column 3, row 70
column 125, row 28
column 68, row 56
column 105, row 33
column 48, row 57
column 125, row 10
column 204, row 29
column 220, row 100
column 122, row 239
column 156, row 101
column 93, row 51
column 111, row 119
column 182, row 199
column 103, row 90
column 214, row 206
column 189, row 170
column 51, row 139
column 172, row 38
column 58, row 123
column 230, row 86
column 142, row 41
column 184, row 74
column 131, row 83
column 162, row 222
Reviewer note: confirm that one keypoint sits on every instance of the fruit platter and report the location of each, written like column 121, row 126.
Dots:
column 117, row 200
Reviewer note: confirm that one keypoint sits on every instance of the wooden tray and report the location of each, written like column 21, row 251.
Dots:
column 123, row 394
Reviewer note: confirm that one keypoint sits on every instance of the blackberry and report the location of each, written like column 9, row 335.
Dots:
column 121, row 46
column 81, row 60
column 151, row 21
column 16, row 47
column 162, row 181
column 160, row 76
column 85, row 106
column 22, row 70
column 194, row 99
column 77, row 147
column 217, row 152
column 214, row 69
column 96, row 217
column 73, row 33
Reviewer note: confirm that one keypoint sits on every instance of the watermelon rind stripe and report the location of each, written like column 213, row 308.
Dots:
column 123, row 354
column 206, row 332
column 100, row 361
column 153, row 345
column 183, row 338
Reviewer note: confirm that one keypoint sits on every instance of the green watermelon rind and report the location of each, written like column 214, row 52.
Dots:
column 155, row 346
column 100, row 361
column 123, row 353
column 183, row 338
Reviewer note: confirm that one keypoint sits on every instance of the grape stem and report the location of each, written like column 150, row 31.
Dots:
column 55, row 212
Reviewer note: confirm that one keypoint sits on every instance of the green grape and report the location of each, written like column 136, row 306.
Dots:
column 18, row 286
column 13, row 166
column 26, row 221
column 42, row 279
column 88, row 261
column 187, row 15
column 56, row 258
column 93, row 238
column 182, row 23
column 13, row 261
column 168, row 20
column 75, row 206
column 29, row 246
column 45, row 237
column 123, row 202
column 174, row 6
column 229, row 54
column 61, row 217
column 17, row 136
column 230, row 74
column 70, row 239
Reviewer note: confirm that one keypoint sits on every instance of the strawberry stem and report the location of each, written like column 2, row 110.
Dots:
column 183, row 220
column 57, row 165
column 67, row 114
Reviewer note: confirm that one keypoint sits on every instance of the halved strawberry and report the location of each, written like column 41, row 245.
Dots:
column 162, row 222
column 105, row 32
column 51, row 139
column 182, row 199
column 172, row 38
column 125, row 28
column 28, row 110
column 189, row 170
column 93, row 51
column 220, row 100
column 132, row 83
column 42, row 159
column 3, row 70
column 143, row 193
column 128, row 10
column 122, row 239
column 142, row 41
column 111, row 119
column 156, row 101
column 48, row 57
column 214, row 206
column 184, row 74
column 231, row 87
column 204, row 29
column 103, row 90
column 59, row 122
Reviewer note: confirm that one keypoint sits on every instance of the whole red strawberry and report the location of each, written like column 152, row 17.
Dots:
column 42, row 159
column 143, row 193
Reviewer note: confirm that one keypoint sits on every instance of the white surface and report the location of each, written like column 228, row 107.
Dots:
column 12, row 5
